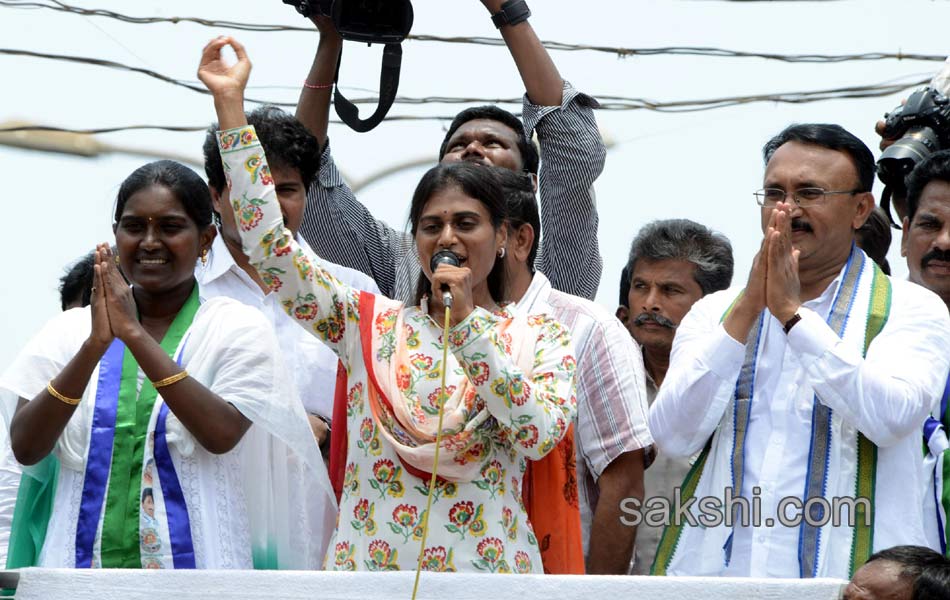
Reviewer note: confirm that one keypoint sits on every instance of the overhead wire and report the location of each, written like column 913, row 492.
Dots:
column 622, row 52
column 607, row 102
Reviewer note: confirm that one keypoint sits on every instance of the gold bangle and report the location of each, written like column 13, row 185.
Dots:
column 52, row 392
column 170, row 380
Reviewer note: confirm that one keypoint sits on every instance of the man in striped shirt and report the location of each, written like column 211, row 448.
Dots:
column 611, row 430
column 572, row 154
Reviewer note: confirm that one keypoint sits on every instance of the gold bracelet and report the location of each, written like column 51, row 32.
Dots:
column 170, row 380
column 52, row 392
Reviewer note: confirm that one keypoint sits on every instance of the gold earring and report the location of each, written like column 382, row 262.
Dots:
column 117, row 259
column 204, row 257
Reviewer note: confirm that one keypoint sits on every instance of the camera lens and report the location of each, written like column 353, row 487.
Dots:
column 899, row 159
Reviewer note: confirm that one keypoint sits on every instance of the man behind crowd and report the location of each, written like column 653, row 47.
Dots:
column 572, row 154
column 611, row 423
column 926, row 245
column 294, row 160
column 75, row 286
column 672, row 264
column 926, row 227
column 809, row 385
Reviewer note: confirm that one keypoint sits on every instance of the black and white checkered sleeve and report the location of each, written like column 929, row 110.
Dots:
column 343, row 231
column 572, row 157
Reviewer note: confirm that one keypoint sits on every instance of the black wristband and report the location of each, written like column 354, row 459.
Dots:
column 512, row 12
column 791, row 322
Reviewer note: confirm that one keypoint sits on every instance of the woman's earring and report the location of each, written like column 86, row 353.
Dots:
column 204, row 257
column 501, row 253
column 116, row 259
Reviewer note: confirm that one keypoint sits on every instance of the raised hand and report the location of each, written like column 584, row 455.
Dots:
column 101, row 334
column 738, row 323
column 783, row 287
column 214, row 72
column 325, row 27
column 120, row 305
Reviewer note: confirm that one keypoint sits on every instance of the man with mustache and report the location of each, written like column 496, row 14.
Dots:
column 572, row 154
column 926, row 227
column 926, row 245
column 803, row 392
column 673, row 263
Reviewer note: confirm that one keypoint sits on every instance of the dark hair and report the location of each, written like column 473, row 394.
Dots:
column 287, row 142
column 476, row 182
column 874, row 237
column 529, row 152
column 625, row 286
column 522, row 205
column 935, row 167
column 184, row 183
column 76, row 284
column 933, row 583
column 833, row 137
column 147, row 493
column 682, row 239
column 913, row 560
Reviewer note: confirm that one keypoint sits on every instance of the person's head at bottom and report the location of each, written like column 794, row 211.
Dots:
column 460, row 207
column 891, row 574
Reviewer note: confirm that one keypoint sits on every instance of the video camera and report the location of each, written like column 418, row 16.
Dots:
column 372, row 22
column 923, row 124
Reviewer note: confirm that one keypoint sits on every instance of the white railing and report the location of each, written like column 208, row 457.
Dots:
column 85, row 584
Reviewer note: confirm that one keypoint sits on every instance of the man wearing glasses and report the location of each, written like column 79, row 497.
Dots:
column 804, row 392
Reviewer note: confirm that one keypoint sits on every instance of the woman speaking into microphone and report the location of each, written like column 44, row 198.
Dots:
column 501, row 387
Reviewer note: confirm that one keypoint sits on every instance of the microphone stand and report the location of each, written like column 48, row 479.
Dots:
column 447, row 300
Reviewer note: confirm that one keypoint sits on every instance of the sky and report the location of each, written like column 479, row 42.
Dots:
column 702, row 166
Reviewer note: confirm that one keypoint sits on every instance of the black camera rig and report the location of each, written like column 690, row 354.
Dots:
column 385, row 22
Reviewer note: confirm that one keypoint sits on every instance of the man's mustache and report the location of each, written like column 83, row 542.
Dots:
column 656, row 318
column 799, row 225
column 935, row 254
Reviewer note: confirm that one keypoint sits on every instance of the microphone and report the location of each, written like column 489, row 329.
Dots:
column 444, row 257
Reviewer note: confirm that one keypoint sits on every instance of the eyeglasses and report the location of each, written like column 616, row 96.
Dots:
column 803, row 197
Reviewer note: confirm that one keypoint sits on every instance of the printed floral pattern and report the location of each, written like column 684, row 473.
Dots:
column 438, row 559
column 363, row 521
column 386, row 479
column 477, row 523
column 382, row 557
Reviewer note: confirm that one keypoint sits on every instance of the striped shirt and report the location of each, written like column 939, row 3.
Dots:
column 343, row 231
column 611, row 386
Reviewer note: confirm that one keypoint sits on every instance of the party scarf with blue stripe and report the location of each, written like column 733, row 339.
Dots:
column 722, row 460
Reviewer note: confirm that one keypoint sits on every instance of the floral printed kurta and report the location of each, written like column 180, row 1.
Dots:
column 506, row 416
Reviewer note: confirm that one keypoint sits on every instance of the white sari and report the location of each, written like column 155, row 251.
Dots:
column 266, row 503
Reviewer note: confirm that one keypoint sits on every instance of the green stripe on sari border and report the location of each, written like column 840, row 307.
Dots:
column 670, row 538
column 120, row 538
column 862, row 545
column 669, row 541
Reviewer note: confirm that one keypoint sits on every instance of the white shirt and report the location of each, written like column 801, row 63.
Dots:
column 610, row 378
column 313, row 364
column 886, row 396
